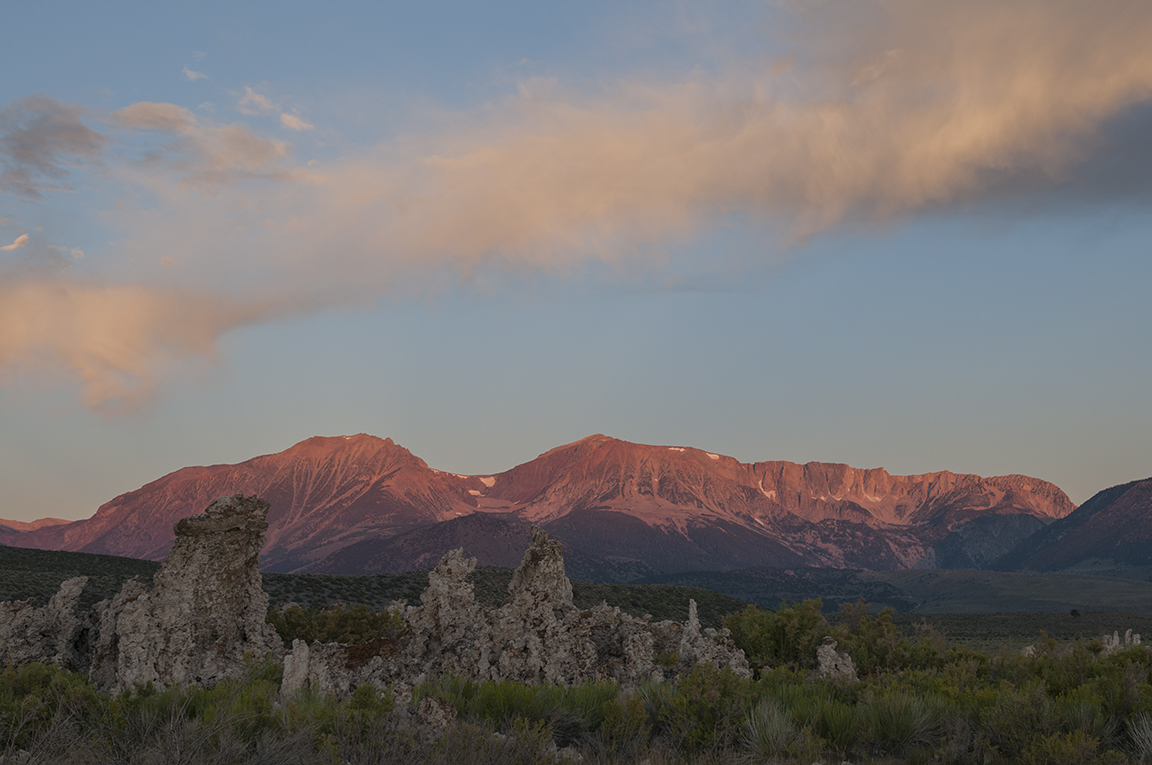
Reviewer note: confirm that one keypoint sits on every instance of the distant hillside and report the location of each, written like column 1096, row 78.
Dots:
column 1111, row 533
column 37, row 574
column 494, row 539
column 935, row 591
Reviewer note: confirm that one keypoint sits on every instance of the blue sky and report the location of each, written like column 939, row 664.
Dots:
column 893, row 234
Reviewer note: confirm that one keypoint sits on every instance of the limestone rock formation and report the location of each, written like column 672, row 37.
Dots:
column 537, row 636
column 1113, row 642
column 205, row 612
column 834, row 665
column 53, row 634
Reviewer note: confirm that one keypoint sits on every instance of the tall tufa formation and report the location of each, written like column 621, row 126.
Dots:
column 206, row 615
column 54, row 634
column 537, row 636
column 205, row 612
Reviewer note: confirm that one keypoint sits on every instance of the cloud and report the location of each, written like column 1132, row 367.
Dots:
column 75, row 252
column 118, row 342
column 20, row 242
column 292, row 122
column 40, row 141
column 903, row 106
column 893, row 109
column 193, row 76
column 253, row 103
column 205, row 153
column 146, row 115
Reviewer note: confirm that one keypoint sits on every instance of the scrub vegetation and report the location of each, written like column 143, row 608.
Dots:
column 919, row 699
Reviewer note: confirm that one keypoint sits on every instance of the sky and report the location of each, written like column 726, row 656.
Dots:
column 909, row 234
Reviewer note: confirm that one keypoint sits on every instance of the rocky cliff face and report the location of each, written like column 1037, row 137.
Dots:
column 684, row 509
column 630, row 507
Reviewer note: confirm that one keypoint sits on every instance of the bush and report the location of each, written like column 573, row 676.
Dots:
column 705, row 708
column 839, row 725
column 31, row 696
column 1018, row 718
column 788, row 635
column 769, row 730
column 897, row 721
column 1140, row 737
column 874, row 642
column 571, row 715
column 336, row 624
column 1076, row 748
column 625, row 726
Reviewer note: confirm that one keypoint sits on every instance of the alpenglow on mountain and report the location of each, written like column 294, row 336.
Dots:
column 365, row 504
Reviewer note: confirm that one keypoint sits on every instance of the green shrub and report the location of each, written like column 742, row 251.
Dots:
column 706, row 708
column 788, row 635
column 570, row 714
column 369, row 702
column 624, row 726
column 336, row 624
column 1084, row 712
column 769, row 730
column 1018, row 718
column 839, row 725
column 1076, row 748
column 1140, row 737
column 31, row 696
column 897, row 721
column 873, row 642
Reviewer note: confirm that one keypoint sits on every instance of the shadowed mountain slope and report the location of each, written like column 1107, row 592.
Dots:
column 1110, row 533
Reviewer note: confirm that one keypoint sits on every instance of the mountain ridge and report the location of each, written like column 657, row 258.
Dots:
column 653, row 507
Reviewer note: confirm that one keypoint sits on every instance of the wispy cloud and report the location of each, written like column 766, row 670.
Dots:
column 75, row 252
column 20, row 242
column 202, row 152
column 252, row 103
column 293, row 122
column 40, row 141
column 193, row 76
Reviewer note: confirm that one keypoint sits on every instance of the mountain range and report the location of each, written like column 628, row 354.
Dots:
column 362, row 504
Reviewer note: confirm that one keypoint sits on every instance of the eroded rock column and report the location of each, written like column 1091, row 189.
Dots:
column 205, row 612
